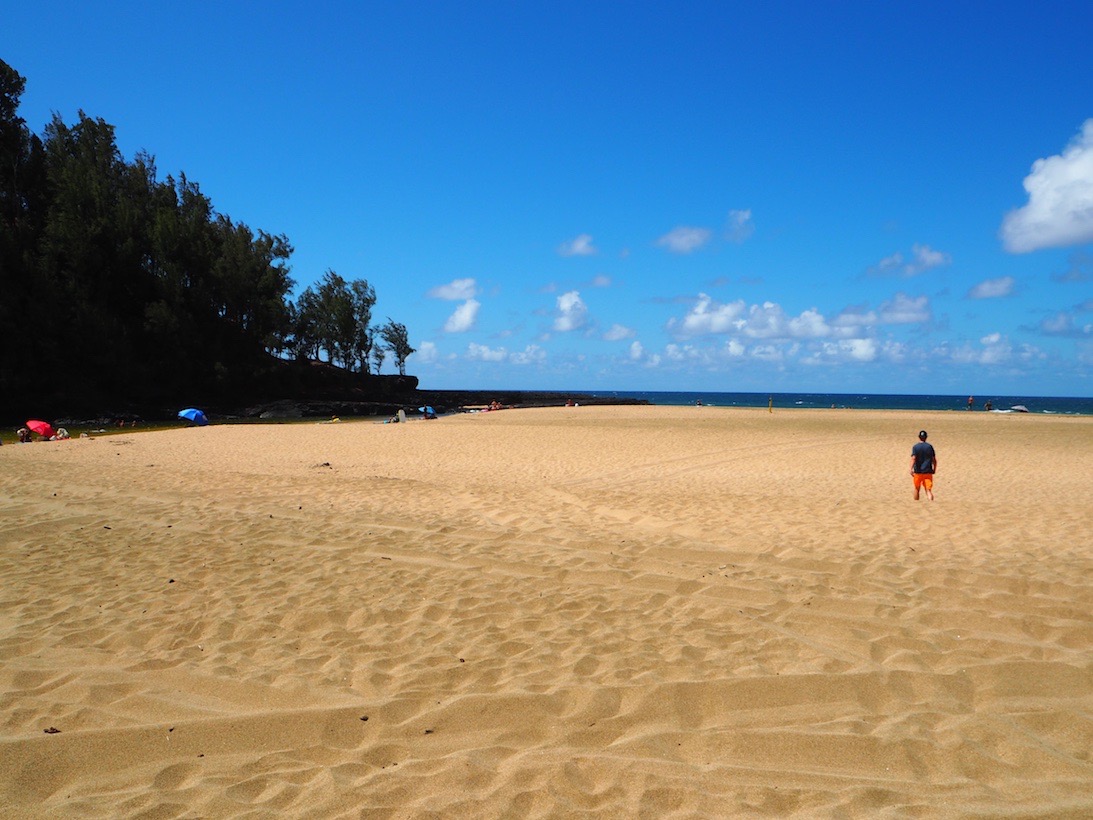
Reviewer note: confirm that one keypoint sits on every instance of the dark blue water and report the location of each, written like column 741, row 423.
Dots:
column 866, row 401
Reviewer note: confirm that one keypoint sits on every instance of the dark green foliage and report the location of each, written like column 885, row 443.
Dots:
column 118, row 289
column 398, row 342
column 334, row 317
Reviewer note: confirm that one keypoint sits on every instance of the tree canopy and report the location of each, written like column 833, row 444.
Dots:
column 117, row 287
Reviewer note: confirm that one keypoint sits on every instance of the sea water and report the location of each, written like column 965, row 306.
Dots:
column 865, row 401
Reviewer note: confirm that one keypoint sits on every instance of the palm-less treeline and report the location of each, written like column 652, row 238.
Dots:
column 118, row 287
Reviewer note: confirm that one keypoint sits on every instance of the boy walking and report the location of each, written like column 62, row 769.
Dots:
column 923, row 466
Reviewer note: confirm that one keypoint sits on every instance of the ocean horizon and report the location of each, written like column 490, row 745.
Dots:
column 1050, row 405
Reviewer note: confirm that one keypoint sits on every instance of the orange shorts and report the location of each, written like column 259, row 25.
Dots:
column 924, row 480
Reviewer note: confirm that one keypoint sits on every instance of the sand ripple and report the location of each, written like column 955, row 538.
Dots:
column 575, row 612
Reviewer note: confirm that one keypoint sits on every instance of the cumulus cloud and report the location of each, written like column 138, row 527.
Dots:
column 734, row 349
column 855, row 316
column 905, row 310
column 708, row 316
column 992, row 288
column 572, row 312
column 1059, row 211
column 760, row 321
column 426, row 352
column 765, row 321
column 740, row 226
column 923, row 258
column 680, row 353
column 993, row 349
column 463, row 318
column 578, row 246
column 685, row 239
column 532, row 354
column 619, row 332
column 810, row 325
column 767, row 353
column 1064, row 323
column 457, row 290
column 482, row 353
column 846, row 350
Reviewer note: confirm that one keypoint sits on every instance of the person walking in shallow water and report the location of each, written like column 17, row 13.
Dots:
column 923, row 466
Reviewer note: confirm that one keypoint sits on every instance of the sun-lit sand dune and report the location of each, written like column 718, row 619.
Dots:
column 646, row 612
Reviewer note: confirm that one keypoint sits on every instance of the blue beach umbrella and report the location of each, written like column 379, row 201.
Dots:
column 194, row 415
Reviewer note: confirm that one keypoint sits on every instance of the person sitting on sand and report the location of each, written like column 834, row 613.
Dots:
column 24, row 436
column 923, row 466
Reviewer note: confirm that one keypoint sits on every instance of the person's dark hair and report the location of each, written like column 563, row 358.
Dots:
column 922, row 435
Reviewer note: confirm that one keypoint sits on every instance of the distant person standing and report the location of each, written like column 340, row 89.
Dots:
column 971, row 402
column 923, row 466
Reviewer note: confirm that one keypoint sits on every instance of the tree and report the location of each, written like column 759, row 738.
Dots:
column 118, row 288
column 364, row 298
column 394, row 334
column 378, row 355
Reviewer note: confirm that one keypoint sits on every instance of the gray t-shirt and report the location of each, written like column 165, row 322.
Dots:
column 923, row 455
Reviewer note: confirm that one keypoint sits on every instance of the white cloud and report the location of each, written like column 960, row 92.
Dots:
column 895, row 351
column 708, row 316
column 995, row 349
column 734, row 349
column 855, row 316
column 888, row 264
column 853, row 350
column 765, row 321
column 426, row 352
column 636, row 350
column 481, row 353
column 992, row 288
column 457, row 290
column 906, row 310
column 677, row 353
column 810, row 325
column 927, row 258
column 860, row 350
column 463, row 318
column 685, row 239
column 1064, row 324
column 923, row 258
column 601, row 281
column 740, row 226
column 532, row 354
column 572, row 312
column 618, row 332
column 1060, row 200
column 766, row 353
column 579, row 246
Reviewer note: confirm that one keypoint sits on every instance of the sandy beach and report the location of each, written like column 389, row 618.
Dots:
column 592, row 611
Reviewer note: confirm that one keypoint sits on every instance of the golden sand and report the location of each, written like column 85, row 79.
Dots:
column 601, row 611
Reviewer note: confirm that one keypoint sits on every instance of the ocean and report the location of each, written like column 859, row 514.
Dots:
column 865, row 401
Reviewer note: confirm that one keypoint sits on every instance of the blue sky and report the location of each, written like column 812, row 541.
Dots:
column 840, row 197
